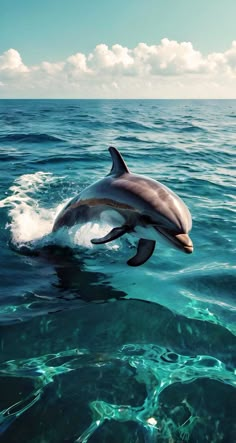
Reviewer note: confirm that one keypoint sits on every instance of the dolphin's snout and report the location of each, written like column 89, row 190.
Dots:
column 188, row 249
column 185, row 241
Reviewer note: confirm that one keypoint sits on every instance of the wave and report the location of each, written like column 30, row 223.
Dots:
column 83, row 157
column 160, row 121
column 130, row 124
column 87, row 116
column 191, row 128
column 30, row 138
column 127, row 138
column 9, row 157
column 56, row 159
column 161, row 125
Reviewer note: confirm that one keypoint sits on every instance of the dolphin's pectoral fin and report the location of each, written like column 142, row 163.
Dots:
column 112, row 235
column 144, row 252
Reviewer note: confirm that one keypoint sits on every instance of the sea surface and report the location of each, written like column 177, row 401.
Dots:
column 92, row 350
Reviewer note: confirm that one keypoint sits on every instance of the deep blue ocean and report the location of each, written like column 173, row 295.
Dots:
column 92, row 350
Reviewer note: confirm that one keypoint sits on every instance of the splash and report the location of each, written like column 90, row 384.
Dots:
column 86, row 232
column 31, row 222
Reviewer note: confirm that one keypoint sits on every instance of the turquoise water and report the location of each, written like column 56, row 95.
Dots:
column 91, row 349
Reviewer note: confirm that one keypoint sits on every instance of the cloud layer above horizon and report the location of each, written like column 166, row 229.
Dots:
column 167, row 70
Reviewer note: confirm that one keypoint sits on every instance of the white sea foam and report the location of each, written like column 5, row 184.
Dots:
column 30, row 221
column 86, row 232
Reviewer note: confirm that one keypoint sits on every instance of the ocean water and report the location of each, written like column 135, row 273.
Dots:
column 91, row 349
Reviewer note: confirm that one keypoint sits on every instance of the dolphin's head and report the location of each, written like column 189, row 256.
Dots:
column 180, row 241
column 167, row 214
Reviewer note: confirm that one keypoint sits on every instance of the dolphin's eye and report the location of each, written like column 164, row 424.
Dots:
column 146, row 219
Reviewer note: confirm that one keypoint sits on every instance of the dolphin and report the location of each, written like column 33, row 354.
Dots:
column 133, row 204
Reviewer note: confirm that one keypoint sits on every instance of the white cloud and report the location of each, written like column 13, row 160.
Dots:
column 167, row 70
column 118, row 57
column 52, row 68
column 170, row 58
column 78, row 62
column 230, row 56
column 11, row 61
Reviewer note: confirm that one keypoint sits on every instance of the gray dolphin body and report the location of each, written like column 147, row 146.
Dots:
column 133, row 204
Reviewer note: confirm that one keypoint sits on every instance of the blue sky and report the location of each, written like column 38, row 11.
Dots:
column 54, row 29
column 42, row 38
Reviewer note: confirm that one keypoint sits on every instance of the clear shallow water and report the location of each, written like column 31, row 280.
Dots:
column 92, row 350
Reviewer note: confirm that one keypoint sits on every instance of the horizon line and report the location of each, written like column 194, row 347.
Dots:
column 89, row 98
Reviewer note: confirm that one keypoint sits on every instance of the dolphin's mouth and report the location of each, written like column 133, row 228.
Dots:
column 181, row 241
column 186, row 242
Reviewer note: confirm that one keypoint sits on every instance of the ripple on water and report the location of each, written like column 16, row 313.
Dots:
column 30, row 138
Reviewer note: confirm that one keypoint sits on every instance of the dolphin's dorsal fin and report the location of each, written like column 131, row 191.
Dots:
column 118, row 167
